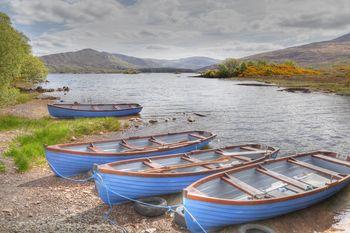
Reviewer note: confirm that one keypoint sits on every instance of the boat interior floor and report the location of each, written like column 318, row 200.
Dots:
column 276, row 179
column 195, row 161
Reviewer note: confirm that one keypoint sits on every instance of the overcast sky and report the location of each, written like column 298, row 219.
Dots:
column 177, row 28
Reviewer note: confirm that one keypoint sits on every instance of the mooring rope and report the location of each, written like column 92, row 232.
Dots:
column 98, row 178
column 100, row 181
column 68, row 178
column 195, row 220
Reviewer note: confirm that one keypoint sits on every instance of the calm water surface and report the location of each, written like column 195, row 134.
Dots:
column 295, row 122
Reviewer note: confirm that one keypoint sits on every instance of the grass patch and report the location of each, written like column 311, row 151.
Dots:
column 28, row 148
column 13, row 96
column 25, row 97
column 9, row 122
column 2, row 167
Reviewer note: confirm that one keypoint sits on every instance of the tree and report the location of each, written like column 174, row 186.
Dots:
column 16, row 61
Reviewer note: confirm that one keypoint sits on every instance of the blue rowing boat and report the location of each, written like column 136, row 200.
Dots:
column 160, row 175
column 263, row 190
column 72, row 159
column 61, row 110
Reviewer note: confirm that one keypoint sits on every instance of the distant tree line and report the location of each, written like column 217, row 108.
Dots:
column 235, row 68
column 17, row 64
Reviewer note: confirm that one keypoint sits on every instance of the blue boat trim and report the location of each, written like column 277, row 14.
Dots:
column 213, row 212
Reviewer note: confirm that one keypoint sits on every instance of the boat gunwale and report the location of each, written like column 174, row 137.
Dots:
column 193, row 195
column 108, row 169
column 58, row 147
column 57, row 105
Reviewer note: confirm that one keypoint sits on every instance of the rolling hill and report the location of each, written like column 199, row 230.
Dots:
column 92, row 61
column 316, row 54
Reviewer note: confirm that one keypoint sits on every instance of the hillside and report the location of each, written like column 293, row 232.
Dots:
column 316, row 54
column 92, row 61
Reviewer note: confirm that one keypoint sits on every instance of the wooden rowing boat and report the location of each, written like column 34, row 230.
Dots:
column 264, row 190
column 61, row 110
column 172, row 173
column 75, row 158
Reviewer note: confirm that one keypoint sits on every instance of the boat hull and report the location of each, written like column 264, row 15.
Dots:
column 213, row 216
column 109, row 186
column 64, row 164
column 60, row 112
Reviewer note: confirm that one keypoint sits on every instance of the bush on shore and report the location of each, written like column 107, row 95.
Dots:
column 234, row 68
column 28, row 148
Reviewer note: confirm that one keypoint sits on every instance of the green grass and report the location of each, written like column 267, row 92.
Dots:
column 24, row 97
column 2, row 167
column 9, row 122
column 12, row 96
column 28, row 148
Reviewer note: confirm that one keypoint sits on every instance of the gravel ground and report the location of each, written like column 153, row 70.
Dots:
column 38, row 201
column 35, row 109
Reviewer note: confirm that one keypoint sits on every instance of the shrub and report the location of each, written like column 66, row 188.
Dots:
column 233, row 68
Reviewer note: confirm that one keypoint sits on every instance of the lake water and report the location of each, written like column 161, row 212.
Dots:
column 295, row 122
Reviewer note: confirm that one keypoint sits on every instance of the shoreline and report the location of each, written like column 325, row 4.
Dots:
column 303, row 84
column 37, row 200
column 327, row 85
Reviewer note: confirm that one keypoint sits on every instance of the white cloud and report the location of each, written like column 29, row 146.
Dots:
column 177, row 28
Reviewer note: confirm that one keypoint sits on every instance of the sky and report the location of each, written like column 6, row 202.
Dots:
column 177, row 28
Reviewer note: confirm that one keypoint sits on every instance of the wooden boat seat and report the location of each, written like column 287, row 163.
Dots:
column 93, row 148
column 157, row 141
column 332, row 160
column 197, row 136
column 131, row 147
column 249, row 148
column 152, row 164
column 186, row 165
column 244, row 187
column 125, row 144
column 295, row 189
column 315, row 168
column 283, row 178
column 195, row 160
column 240, row 155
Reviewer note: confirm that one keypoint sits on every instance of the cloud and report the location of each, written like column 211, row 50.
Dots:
column 156, row 47
column 318, row 21
column 177, row 28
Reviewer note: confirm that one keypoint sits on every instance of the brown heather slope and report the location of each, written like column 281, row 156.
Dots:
column 316, row 54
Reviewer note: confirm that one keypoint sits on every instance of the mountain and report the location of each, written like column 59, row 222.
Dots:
column 92, row 61
column 316, row 54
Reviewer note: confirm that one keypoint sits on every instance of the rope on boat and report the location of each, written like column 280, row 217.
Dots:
column 68, row 178
column 98, row 178
column 100, row 181
column 106, row 215
column 195, row 220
